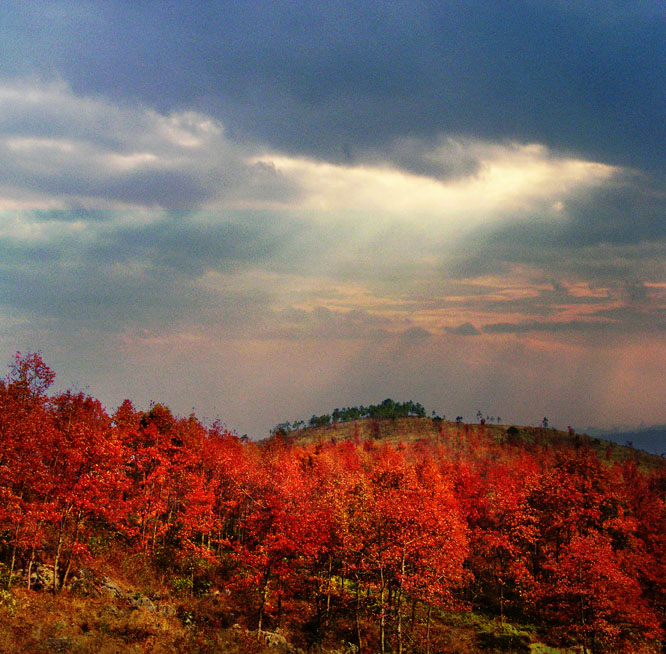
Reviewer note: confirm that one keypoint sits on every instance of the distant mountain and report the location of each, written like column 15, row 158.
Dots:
column 651, row 439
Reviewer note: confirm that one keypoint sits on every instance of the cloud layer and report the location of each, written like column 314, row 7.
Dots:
column 331, row 79
column 281, row 211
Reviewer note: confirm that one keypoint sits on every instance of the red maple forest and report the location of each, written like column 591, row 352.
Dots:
column 377, row 536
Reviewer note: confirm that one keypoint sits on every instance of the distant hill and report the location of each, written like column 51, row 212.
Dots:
column 651, row 439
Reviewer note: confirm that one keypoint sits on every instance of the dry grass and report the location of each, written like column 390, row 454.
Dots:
column 39, row 622
column 412, row 429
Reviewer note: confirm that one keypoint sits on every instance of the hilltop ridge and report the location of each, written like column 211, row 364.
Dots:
column 409, row 429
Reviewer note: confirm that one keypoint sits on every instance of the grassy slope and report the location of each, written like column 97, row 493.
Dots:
column 84, row 619
column 414, row 429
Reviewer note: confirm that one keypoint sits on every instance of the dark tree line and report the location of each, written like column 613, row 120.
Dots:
column 387, row 409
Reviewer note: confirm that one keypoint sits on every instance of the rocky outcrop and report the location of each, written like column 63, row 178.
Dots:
column 275, row 640
column 111, row 589
column 138, row 601
column 85, row 583
column 54, row 644
column 42, row 577
column 278, row 642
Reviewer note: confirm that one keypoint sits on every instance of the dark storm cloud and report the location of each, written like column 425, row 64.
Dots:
column 629, row 209
column 443, row 159
column 333, row 79
column 178, row 118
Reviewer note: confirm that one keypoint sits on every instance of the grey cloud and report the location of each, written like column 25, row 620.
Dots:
column 193, row 243
column 85, row 149
column 109, row 275
column 439, row 158
column 75, row 214
column 324, row 323
column 649, row 318
column 82, row 292
column 465, row 329
column 628, row 209
column 615, row 230
column 107, row 301
column 415, row 335
column 172, row 189
column 201, row 267
column 545, row 326
column 574, row 76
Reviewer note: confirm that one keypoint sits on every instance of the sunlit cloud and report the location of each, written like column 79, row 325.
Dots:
column 506, row 178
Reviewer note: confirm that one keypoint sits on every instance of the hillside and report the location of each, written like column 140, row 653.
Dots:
column 413, row 429
column 142, row 531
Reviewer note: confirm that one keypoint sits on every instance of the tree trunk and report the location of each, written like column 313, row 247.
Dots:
column 413, row 618
column 32, row 560
column 279, row 606
column 57, row 557
column 13, row 563
column 71, row 550
column 382, row 613
column 399, row 602
column 264, row 596
column 328, row 588
column 11, row 567
column 501, row 585
column 582, row 609
column 154, row 536
column 357, row 610
column 428, row 629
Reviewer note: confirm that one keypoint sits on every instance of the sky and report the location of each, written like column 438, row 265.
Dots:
column 265, row 210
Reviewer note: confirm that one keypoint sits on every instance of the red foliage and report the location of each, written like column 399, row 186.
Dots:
column 363, row 528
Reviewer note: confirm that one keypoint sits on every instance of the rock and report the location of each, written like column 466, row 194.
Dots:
column 110, row 610
column 542, row 648
column 85, row 573
column 54, row 644
column 42, row 577
column 84, row 583
column 347, row 648
column 166, row 610
column 141, row 602
column 278, row 641
column 112, row 589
